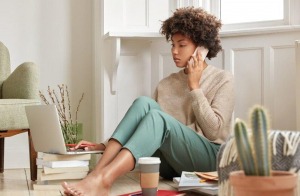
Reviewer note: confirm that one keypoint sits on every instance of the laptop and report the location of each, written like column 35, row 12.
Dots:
column 46, row 131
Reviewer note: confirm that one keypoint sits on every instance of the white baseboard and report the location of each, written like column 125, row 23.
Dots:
column 16, row 152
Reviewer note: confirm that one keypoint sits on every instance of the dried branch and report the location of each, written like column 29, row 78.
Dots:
column 59, row 108
column 62, row 95
column 78, row 106
column 50, row 94
column 70, row 130
column 69, row 104
column 43, row 98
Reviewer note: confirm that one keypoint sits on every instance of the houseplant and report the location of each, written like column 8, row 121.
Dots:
column 71, row 128
column 253, row 150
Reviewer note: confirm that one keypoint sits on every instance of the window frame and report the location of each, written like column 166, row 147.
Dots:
column 290, row 22
column 290, row 14
column 268, row 23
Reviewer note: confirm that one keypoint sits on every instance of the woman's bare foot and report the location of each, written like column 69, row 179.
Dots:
column 92, row 185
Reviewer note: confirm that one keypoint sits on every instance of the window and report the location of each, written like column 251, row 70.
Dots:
column 246, row 14
column 237, row 14
column 245, row 11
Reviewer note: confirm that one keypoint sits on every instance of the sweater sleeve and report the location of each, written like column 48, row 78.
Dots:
column 212, row 117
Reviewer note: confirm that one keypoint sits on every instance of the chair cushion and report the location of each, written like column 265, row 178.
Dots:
column 13, row 114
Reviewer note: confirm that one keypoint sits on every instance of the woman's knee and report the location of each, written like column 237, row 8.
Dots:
column 143, row 99
column 146, row 101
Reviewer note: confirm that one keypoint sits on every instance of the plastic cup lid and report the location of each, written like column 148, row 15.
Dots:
column 149, row 160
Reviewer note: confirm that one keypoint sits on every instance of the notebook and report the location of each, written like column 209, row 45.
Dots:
column 46, row 131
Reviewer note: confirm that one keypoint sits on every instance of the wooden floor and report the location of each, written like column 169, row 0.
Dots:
column 16, row 182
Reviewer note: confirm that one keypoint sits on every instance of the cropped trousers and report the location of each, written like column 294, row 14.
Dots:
column 147, row 131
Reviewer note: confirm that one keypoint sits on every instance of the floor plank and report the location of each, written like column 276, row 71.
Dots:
column 14, row 193
column 124, row 185
column 17, row 182
column 13, row 182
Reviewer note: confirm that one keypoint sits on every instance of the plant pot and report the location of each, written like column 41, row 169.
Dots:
column 280, row 183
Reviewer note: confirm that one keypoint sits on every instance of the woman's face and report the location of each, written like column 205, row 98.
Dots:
column 182, row 49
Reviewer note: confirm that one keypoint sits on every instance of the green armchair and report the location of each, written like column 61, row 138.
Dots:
column 17, row 90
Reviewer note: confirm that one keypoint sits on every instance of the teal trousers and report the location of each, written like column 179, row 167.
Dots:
column 147, row 131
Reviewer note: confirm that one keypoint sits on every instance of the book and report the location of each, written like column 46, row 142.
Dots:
column 159, row 193
column 62, row 176
column 59, row 157
column 206, row 190
column 49, row 170
column 208, row 175
column 59, row 164
column 190, row 181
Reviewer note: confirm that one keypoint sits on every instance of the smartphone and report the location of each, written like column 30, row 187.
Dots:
column 203, row 51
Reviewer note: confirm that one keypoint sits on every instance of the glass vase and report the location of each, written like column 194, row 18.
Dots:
column 72, row 133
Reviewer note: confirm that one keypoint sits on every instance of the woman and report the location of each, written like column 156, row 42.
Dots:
column 187, row 120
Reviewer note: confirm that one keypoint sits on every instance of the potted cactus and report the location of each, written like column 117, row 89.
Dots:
column 254, row 154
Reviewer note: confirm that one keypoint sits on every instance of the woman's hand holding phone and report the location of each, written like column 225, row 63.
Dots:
column 195, row 67
column 203, row 52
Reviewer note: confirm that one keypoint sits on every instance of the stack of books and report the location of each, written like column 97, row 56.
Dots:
column 58, row 168
column 199, row 182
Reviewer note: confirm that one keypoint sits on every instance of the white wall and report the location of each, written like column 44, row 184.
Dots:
column 56, row 35
column 262, row 61
column 67, row 37
column 132, row 65
column 135, row 15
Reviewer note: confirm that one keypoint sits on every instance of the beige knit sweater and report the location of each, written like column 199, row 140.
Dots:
column 207, row 110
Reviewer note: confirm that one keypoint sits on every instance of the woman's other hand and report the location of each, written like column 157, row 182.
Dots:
column 86, row 145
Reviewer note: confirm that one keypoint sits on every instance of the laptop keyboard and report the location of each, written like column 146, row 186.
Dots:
column 77, row 150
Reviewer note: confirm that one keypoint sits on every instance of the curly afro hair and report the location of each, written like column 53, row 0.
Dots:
column 198, row 25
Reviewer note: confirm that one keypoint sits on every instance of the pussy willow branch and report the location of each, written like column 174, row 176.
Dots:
column 59, row 108
column 62, row 93
column 60, row 102
column 78, row 106
column 50, row 94
column 43, row 98
column 69, row 104
column 55, row 101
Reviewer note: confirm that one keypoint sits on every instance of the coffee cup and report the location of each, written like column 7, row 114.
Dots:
column 149, row 175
